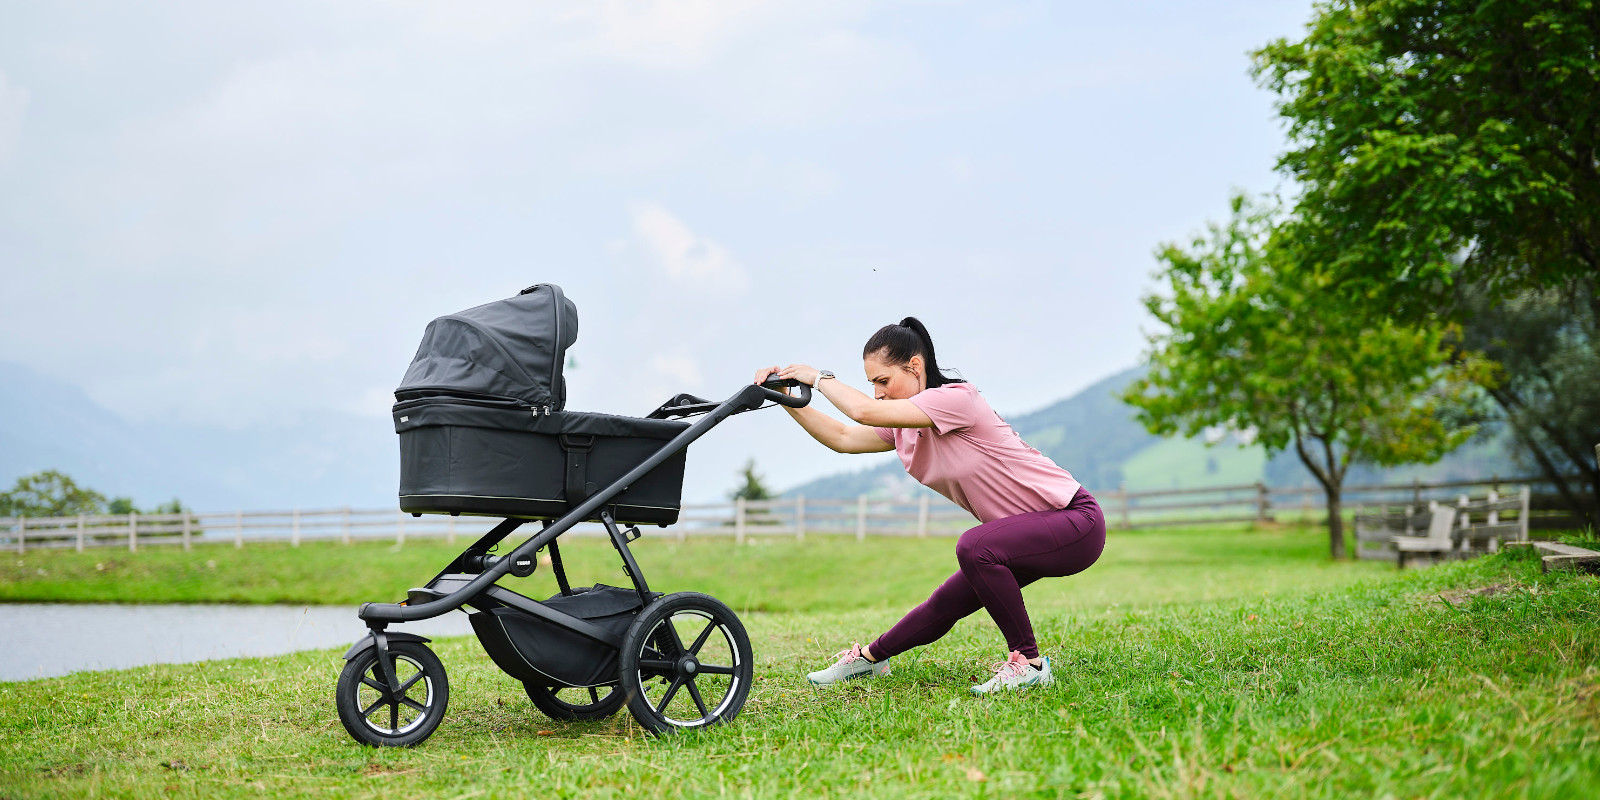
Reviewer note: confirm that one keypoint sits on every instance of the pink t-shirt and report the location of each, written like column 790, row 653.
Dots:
column 973, row 457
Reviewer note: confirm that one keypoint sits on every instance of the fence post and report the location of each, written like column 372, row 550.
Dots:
column 400, row 530
column 80, row 533
column 861, row 518
column 1464, row 523
column 799, row 517
column 1416, row 491
column 186, row 531
column 344, row 525
column 294, row 528
column 133, row 531
column 738, row 520
column 922, row 518
column 238, row 529
column 22, row 534
column 1261, row 501
column 1122, row 499
column 1522, row 519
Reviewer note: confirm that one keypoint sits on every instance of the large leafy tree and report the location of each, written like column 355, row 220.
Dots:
column 1548, row 383
column 50, row 494
column 1440, row 143
column 1447, row 156
column 1251, row 343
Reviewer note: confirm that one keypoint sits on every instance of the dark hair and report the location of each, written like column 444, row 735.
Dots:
column 900, row 342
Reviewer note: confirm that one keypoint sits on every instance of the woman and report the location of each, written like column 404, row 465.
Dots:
column 1037, row 521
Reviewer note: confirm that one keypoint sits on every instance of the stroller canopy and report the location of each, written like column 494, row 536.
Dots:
column 513, row 349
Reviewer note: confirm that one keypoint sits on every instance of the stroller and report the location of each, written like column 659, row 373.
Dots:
column 484, row 432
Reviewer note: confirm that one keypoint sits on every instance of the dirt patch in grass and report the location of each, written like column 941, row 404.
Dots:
column 1457, row 596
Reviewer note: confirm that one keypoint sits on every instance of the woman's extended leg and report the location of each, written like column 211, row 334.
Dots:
column 997, row 559
column 1044, row 544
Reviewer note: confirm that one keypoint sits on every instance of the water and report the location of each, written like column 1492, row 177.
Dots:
column 45, row 640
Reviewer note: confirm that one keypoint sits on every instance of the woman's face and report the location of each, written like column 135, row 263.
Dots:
column 894, row 381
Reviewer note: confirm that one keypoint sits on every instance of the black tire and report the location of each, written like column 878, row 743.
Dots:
column 685, row 663
column 596, row 702
column 405, row 721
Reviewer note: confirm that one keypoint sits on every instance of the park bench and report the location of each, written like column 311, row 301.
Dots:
column 1438, row 532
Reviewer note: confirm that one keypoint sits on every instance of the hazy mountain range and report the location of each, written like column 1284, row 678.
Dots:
column 328, row 459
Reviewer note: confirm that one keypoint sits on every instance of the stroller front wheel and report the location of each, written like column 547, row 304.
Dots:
column 685, row 663
column 377, row 716
column 574, row 703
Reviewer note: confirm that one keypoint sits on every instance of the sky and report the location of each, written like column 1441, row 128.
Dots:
column 231, row 214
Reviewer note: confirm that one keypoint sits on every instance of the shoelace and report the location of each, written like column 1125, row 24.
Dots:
column 1014, row 664
column 848, row 656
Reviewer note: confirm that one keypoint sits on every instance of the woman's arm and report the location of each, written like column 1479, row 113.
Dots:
column 859, row 407
column 832, row 433
column 836, row 435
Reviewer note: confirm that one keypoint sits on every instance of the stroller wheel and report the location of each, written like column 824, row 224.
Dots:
column 685, row 663
column 377, row 717
column 575, row 702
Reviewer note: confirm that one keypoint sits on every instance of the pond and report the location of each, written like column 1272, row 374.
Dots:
column 45, row 640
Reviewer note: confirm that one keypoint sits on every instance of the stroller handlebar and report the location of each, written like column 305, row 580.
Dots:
column 772, row 389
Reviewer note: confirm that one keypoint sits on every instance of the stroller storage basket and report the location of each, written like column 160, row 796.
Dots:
column 467, row 456
column 534, row 651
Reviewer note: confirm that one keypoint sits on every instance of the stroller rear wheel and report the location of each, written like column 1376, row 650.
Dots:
column 685, row 663
column 379, row 717
column 570, row 702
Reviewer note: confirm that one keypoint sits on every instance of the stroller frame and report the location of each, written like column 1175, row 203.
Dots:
column 651, row 647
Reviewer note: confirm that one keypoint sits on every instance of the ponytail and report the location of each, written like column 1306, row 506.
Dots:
column 898, row 343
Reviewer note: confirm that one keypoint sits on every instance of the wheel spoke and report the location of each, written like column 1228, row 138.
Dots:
column 700, row 641
column 594, row 695
column 414, row 704
column 370, row 683
column 410, row 682
column 666, row 666
column 694, row 692
column 394, row 717
column 666, row 697
column 672, row 630
column 367, row 712
column 712, row 669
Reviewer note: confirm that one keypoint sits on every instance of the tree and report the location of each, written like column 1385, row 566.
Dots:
column 753, row 486
column 1444, row 144
column 1548, row 384
column 1448, row 162
column 49, row 494
column 1251, row 343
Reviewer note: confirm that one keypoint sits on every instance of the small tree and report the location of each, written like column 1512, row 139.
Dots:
column 1251, row 342
column 50, row 494
column 752, row 486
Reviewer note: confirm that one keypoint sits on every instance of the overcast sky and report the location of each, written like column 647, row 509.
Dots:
column 235, row 212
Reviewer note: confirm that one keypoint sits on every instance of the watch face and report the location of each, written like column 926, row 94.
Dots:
column 827, row 373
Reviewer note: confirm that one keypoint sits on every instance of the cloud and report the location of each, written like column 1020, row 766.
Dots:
column 686, row 256
column 13, row 104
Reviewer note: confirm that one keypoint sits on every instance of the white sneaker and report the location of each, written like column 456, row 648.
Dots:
column 1016, row 674
column 850, row 665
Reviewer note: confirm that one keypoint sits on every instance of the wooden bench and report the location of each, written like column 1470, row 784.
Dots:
column 1468, row 528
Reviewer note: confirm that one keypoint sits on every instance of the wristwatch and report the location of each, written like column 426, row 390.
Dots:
column 822, row 373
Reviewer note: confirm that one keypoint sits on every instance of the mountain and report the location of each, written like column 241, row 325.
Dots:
column 1094, row 436
column 307, row 461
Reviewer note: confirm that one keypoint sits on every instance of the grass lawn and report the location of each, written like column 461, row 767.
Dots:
column 1189, row 664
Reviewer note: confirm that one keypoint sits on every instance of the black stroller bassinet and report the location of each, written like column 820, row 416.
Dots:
column 484, row 431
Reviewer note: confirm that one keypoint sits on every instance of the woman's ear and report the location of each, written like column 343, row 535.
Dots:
column 915, row 364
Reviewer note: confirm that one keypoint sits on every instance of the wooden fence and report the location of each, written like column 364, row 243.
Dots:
column 796, row 517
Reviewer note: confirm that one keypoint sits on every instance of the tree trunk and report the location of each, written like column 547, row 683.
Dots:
column 1335, row 524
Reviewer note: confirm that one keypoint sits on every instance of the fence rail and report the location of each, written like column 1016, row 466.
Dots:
column 796, row 517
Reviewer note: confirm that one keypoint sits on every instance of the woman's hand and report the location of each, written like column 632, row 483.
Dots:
column 804, row 373
column 801, row 372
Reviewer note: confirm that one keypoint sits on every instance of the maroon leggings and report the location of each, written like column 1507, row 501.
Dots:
column 997, row 559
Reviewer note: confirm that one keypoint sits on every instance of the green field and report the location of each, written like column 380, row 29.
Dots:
column 1220, row 663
